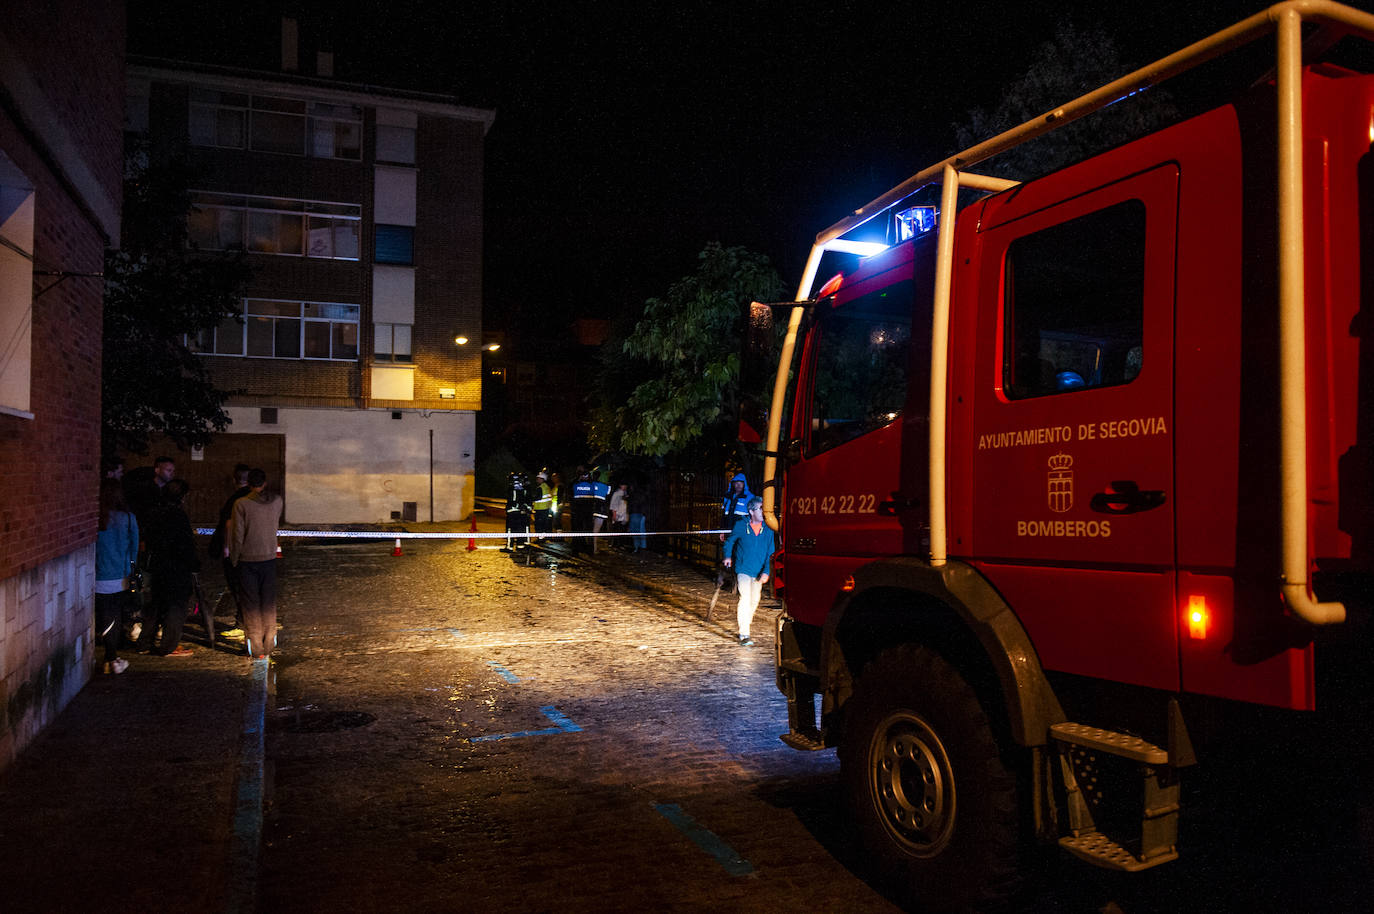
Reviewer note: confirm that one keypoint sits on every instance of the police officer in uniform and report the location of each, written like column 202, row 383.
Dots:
column 584, row 502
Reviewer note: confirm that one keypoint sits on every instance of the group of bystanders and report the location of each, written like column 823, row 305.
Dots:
column 145, row 547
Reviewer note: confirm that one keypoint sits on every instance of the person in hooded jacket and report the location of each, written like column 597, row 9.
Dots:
column 749, row 551
column 173, row 561
column 733, row 506
column 116, row 550
column 253, row 551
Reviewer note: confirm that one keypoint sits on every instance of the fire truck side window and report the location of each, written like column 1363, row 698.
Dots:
column 861, row 366
column 1075, row 304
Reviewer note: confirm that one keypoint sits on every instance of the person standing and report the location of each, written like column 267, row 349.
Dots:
column 584, row 507
column 116, row 550
column 733, row 507
column 172, row 564
column 253, row 552
column 620, row 508
column 639, row 514
column 544, row 502
column 219, row 549
column 749, row 550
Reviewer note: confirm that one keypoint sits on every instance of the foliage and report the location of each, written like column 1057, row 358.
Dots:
column 670, row 387
column 157, row 291
column 1074, row 62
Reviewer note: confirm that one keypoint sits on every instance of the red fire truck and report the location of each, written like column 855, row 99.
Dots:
column 1074, row 464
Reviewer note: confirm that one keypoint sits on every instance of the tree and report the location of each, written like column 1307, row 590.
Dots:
column 158, row 290
column 681, row 362
column 1074, row 62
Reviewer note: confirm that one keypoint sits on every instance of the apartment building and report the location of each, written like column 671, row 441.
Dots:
column 60, row 194
column 356, row 363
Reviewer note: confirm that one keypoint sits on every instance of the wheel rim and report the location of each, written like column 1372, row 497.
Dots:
column 912, row 784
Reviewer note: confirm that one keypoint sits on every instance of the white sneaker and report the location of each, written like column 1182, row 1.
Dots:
column 116, row 666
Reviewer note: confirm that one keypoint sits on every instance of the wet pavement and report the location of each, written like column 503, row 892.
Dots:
column 495, row 735
column 453, row 730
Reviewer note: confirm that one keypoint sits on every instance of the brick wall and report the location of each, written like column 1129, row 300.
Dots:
column 448, row 257
column 60, row 123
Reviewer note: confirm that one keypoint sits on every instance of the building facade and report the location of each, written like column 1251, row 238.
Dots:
column 60, row 192
column 360, row 212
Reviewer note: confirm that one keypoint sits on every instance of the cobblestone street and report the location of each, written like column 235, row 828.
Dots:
column 455, row 731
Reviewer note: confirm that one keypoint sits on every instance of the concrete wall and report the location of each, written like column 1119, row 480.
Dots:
column 45, row 645
column 357, row 466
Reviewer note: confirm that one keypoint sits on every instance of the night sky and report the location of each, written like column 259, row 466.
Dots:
column 629, row 135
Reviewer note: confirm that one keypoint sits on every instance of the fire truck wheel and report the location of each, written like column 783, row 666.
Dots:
column 934, row 802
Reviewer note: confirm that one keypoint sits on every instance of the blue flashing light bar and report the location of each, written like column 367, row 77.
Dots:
column 916, row 220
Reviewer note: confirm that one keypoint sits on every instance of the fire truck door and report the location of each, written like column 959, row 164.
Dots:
column 851, row 496
column 1073, row 477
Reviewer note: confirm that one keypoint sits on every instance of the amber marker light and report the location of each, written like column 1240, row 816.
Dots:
column 848, row 584
column 1198, row 616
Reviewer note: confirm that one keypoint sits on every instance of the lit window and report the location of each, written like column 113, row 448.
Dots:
column 269, row 225
column 285, row 330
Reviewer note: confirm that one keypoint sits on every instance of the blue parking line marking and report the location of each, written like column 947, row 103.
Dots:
column 561, row 725
column 705, row 839
column 503, row 672
column 562, row 722
column 246, row 838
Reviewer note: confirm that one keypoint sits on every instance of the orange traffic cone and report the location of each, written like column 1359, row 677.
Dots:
column 397, row 550
column 472, row 541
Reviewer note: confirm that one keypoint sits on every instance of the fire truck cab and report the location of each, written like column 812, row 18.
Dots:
column 1111, row 426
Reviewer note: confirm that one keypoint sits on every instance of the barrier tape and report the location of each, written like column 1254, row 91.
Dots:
column 465, row 535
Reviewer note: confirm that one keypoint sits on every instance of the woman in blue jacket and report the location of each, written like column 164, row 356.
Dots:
column 116, row 548
column 749, row 551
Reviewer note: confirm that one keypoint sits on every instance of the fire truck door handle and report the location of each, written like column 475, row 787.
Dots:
column 1126, row 497
column 898, row 502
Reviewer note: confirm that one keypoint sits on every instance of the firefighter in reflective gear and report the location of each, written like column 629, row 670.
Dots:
column 545, row 504
column 518, row 504
column 584, row 505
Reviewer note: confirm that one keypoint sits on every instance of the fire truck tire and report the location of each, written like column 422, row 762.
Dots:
column 934, row 802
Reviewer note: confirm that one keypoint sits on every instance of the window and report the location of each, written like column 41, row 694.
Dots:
column 236, row 120
column 286, row 330
column 1074, row 304
column 336, row 131
column 391, row 342
column 860, row 370
column 16, row 288
column 218, row 118
column 269, row 225
column 278, row 125
column 395, row 144
column 395, row 244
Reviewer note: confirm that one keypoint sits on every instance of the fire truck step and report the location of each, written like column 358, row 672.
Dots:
column 807, row 742
column 1104, row 852
column 1120, row 744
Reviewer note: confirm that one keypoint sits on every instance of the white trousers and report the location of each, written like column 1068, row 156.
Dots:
column 750, row 590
